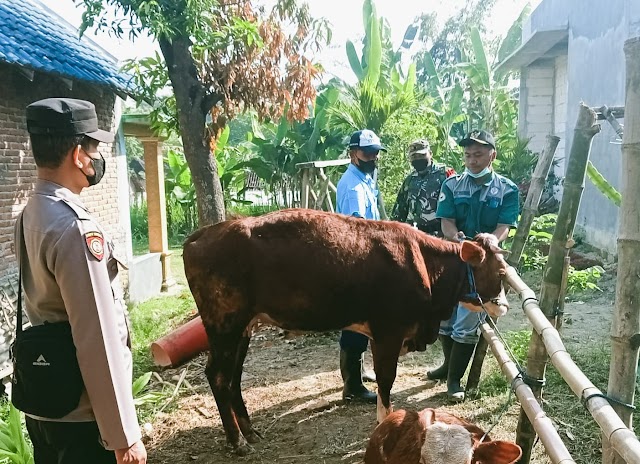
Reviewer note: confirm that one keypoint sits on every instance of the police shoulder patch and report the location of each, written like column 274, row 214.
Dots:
column 95, row 243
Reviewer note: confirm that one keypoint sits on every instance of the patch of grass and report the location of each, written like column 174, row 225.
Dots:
column 493, row 382
column 154, row 318
column 140, row 246
column 576, row 426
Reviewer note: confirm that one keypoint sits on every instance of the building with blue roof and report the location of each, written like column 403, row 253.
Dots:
column 42, row 56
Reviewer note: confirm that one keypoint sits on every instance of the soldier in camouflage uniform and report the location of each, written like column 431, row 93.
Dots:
column 418, row 196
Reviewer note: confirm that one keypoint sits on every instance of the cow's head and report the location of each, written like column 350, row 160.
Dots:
column 487, row 267
column 456, row 442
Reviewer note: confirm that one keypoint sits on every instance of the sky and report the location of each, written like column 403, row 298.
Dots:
column 345, row 17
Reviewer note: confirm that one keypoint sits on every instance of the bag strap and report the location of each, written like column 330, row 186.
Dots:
column 23, row 252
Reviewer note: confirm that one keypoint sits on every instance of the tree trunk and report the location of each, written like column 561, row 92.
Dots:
column 530, row 210
column 625, row 327
column 193, row 105
column 586, row 129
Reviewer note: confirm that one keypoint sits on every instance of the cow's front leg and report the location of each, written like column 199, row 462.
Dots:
column 386, row 351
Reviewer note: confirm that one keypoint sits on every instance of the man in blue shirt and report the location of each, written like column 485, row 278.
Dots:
column 357, row 195
column 479, row 200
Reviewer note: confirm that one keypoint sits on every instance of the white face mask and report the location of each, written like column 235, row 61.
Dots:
column 482, row 173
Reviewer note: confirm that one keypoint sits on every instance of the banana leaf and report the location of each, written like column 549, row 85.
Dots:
column 603, row 185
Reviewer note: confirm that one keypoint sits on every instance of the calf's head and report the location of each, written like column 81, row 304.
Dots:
column 435, row 437
column 451, row 440
column 487, row 268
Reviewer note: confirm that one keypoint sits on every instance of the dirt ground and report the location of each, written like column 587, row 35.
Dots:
column 293, row 393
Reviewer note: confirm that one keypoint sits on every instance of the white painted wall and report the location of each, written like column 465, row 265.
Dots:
column 561, row 85
column 538, row 111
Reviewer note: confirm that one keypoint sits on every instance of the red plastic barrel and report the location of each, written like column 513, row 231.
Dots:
column 181, row 345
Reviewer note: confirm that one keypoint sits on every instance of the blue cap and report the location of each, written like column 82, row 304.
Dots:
column 366, row 140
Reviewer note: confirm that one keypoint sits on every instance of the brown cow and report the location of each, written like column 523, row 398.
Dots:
column 308, row 270
column 435, row 437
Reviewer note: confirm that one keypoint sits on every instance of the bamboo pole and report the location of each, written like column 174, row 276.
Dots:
column 625, row 327
column 530, row 210
column 555, row 448
column 622, row 439
column 586, row 129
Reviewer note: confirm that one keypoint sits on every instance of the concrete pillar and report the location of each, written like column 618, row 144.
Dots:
column 156, row 205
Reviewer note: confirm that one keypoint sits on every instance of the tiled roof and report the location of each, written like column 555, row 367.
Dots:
column 36, row 38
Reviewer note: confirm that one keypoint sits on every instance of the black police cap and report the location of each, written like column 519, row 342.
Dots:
column 478, row 136
column 65, row 116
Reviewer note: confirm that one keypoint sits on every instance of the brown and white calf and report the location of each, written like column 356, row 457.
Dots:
column 305, row 270
column 435, row 437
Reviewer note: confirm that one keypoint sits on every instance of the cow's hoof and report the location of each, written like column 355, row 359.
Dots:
column 253, row 437
column 243, row 449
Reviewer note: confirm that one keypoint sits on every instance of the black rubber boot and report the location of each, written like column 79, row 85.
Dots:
column 441, row 372
column 460, row 355
column 351, row 370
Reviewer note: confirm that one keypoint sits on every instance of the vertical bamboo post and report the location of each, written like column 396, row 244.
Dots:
column 530, row 210
column 625, row 327
column 586, row 129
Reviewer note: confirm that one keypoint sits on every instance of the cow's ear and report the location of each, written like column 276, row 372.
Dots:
column 472, row 253
column 496, row 452
column 427, row 417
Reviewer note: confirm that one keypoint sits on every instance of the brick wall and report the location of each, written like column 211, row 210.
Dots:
column 18, row 171
column 538, row 104
column 561, row 87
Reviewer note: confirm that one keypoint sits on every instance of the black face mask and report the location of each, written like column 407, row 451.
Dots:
column 420, row 164
column 98, row 166
column 366, row 166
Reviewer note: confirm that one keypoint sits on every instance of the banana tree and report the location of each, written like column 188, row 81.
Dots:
column 382, row 88
column 277, row 148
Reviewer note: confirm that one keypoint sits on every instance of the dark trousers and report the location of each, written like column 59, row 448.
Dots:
column 353, row 341
column 67, row 443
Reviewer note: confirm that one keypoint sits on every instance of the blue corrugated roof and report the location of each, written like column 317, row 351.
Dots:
column 33, row 36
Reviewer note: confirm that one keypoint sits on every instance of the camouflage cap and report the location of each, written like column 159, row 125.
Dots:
column 419, row 147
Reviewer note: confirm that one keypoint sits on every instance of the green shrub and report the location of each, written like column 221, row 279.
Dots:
column 585, row 280
column 139, row 222
column 15, row 446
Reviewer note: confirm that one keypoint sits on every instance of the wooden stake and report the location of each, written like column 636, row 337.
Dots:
column 586, row 129
column 625, row 327
column 529, row 212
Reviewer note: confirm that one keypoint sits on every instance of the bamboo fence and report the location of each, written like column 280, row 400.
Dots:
column 625, row 328
column 550, row 292
column 621, row 438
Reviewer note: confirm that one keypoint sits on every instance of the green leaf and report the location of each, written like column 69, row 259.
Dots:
column 374, row 57
column 222, row 141
column 140, row 383
column 354, row 61
column 283, row 127
column 482, row 66
column 603, row 185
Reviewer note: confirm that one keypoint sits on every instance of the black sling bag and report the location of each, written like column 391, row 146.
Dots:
column 46, row 377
